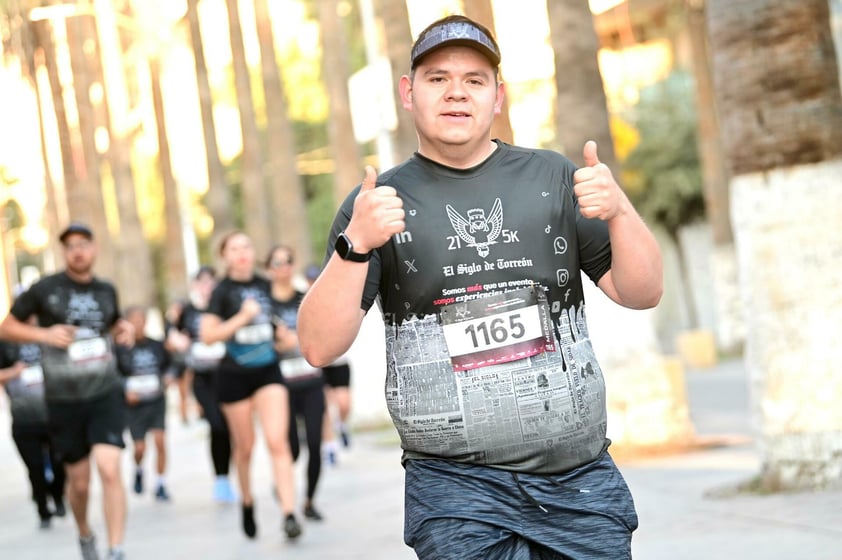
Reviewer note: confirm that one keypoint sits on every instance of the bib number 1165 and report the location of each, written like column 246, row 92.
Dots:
column 484, row 333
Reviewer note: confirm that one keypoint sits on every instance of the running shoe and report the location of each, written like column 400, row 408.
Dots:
column 59, row 511
column 44, row 523
column 161, row 494
column 312, row 513
column 88, row 546
column 346, row 438
column 138, row 482
column 291, row 527
column 249, row 525
column 223, row 492
column 116, row 555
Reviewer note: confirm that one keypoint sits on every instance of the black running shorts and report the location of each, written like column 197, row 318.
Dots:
column 76, row 426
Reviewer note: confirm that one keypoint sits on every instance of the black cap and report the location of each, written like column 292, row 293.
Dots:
column 77, row 228
column 459, row 32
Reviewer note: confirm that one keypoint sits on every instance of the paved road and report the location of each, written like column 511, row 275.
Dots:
column 362, row 501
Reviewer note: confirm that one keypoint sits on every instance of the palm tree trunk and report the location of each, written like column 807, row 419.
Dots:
column 255, row 212
column 398, row 38
column 175, row 265
column 777, row 89
column 729, row 325
column 657, row 414
column 481, row 11
column 219, row 198
column 581, row 113
column 348, row 169
column 133, row 271
column 290, row 223
column 85, row 200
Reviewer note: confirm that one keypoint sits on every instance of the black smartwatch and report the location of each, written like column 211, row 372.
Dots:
column 345, row 249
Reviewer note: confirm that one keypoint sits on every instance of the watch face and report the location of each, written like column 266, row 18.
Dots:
column 345, row 249
column 343, row 245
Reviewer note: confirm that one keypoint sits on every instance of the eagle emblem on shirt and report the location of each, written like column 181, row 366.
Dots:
column 478, row 230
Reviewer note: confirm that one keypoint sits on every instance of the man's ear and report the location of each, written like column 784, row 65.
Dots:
column 405, row 89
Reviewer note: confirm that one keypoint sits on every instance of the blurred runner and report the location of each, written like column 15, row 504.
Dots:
column 23, row 379
column 78, row 323
column 240, row 314
column 304, row 382
column 202, row 362
column 146, row 367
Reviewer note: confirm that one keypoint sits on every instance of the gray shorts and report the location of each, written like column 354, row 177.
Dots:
column 146, row 416
column 460, row 511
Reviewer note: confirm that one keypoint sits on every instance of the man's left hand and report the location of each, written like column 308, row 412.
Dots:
column 598, row 193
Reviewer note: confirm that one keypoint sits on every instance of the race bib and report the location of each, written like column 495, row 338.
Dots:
column 497, row 329
column 143, row 384
column 254, row 334
column 32, row 375
column 205, row 356
column 88, row 350
column 293, row 368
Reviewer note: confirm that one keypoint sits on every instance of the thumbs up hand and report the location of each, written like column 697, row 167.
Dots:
column 378, row 214
column 598, row 193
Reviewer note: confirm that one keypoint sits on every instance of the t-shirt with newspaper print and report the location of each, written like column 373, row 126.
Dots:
column 88, row 367
column 488, row 355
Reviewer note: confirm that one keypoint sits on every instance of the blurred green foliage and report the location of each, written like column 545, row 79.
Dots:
column 662, row 173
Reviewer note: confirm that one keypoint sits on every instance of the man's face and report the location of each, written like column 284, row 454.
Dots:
column 453, row 96
column 79, row 253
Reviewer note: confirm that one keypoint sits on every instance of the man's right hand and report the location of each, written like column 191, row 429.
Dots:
column 378, row 214
column 60, row 336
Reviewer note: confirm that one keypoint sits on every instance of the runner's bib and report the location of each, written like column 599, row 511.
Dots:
column 144, row 385
column 32, row 375
column 205, row 356
column 298, row 368
column 497, row 329
column 254, row 334
column 88, row 350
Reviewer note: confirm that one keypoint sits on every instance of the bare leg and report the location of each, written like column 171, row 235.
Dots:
column 272, row 404
column 241, row 427
column 160, row 450
column 107, row 459
column 78, row 484
column 139, row 451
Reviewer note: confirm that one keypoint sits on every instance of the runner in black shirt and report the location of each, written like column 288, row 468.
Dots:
column 202, row 361
column 147, row 370
column 475, row 250
column 304, row 382
column 78, row 323
column 240, row 314
column 23, row 378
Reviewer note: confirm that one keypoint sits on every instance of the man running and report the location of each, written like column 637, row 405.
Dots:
column 78, row 324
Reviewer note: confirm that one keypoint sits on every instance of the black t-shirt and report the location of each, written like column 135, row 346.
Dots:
column 26, row 392
column 298, row 373
column 201, row 358
column 491, row 231
column 86, row 369
column 144, row 366
column 254, row 344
